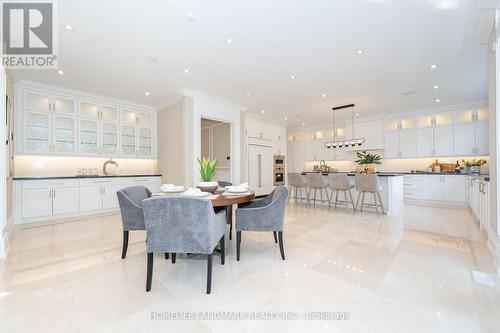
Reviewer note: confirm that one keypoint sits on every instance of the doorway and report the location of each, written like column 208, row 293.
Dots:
column 216, row 143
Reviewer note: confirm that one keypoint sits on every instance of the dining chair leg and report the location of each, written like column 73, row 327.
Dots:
column 352, row 202
column 209, row 273
column 173, row 258
column 275, row 237
column 166, row 256
column 125, row 244
column 238, row 243
column 282, row 250
column 222, row 250
column 376, row 203
column 381, row 204
column 149, row 276
column 229, row 219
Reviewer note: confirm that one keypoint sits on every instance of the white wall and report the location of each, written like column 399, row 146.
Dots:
column 3, row 163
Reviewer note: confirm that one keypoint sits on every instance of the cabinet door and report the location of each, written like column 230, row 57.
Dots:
column 64, row 134
column 88, row 142
column 109, row 198
column 63, row 105
column 407, row 143
column 454, row 188
column 252, row 128
column 391, row 144
column 432, row 187
column 482, row 138
column 88, row 109
column 109, row 138
column 260, row 168
column 109, row 113
column 37, row 101
column 443, row 140
column 425, row 142
column 463, row 143
column 37, row 202
column 66, row 200
column 145, row 119
column 128, row 141
column 37, row 132
column 90, row 198
column 129, row 117
column 145, row 142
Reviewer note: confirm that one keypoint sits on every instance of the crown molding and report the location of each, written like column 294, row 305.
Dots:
column 197, row 94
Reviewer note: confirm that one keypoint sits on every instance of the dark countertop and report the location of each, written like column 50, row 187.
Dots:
column 381, row 174
column 80, row 177
column 482, row 176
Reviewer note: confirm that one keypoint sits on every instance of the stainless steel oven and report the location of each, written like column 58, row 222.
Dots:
column 279, row 170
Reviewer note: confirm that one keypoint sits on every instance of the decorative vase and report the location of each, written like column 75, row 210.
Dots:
column 208, row 186
column 370, row 168
column 473, row 169
column 360, row 169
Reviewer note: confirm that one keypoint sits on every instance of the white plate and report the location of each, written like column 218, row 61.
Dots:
column 237, row 190
column 177, row 189
column 199, row 194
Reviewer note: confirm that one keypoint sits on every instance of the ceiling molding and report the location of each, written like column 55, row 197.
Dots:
column 197, row 94
column 171, row 102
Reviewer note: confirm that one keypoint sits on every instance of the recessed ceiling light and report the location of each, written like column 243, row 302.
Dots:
column 146, row 93
column 357, row 114
column 248, row 93
column 190, row 17
column 433, row 66
column 186, row 70
column 60, row 72
column 436, row 86
column 229, row 40
column 292, row 77
column 286, row 118
column 151, row 57
column 262, row 111
column 438, row 100
column 324, row 95
column 68, row 27
column 359, row 52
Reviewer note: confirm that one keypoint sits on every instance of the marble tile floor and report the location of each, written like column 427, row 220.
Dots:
column 408, row 272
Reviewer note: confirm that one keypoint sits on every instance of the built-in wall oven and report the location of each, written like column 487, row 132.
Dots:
column 279, row 170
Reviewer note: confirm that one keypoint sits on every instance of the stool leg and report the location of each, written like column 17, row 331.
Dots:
column 381, row 204
column 336, row 198
column 345, row 201
column 352, row 203
column 330, row 199
column 290, row 194
column 315, row 189
column 362, row 200
column 308, row 193
column 321, row 195
column 376, row 204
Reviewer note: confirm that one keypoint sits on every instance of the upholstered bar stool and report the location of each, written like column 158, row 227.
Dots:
column 341, row 182
column 315, row 181
column 298, row 182
column 369, row 183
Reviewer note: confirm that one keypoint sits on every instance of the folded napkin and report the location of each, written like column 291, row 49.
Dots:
column 194, row 192
column 241, row 187
column 170, row 187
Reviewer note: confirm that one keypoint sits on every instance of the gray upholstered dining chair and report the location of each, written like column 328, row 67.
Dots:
column 130, row 201
column 228, row 209
column 316, row 181
column 343, row 183
column 298, row 182
column 183, row 225
column 267, row 214
column 369, row 183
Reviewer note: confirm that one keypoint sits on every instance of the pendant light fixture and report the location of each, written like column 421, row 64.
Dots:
column 354, row 141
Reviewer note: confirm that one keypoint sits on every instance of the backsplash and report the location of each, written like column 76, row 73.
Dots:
column 404, row 165
column 33, row 166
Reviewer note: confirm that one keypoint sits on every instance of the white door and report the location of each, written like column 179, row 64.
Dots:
column 37, row 132
column 64, row 134
column 463, row 144
column 432, row 187
column 407, row 143
column 66, row 200
column 90, row 198
column 128, row 142
column 88, row 137
column 443, row 140
column 109, row 198
column 482, row 137
column 425, row 142
column 37, row 202
column 391, row 144
column 260, row 170
column 454, row 188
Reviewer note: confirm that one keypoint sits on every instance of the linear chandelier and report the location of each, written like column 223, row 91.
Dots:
column 354, row 141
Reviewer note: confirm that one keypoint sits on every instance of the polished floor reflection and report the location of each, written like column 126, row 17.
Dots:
column 409, row 272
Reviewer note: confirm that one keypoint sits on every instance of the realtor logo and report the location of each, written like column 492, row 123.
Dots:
column 29, row 31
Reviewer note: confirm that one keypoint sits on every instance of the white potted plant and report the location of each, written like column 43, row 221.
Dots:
column 208, row 168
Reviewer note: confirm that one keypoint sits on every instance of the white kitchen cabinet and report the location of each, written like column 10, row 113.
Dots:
column 65, row 200
column 88, row 136
column 482, row 138
column 443, row 140
column 434, row 134
column 471, row 133
column 144, row 141
column 64, row 134
column 37, row 202
column 152, row 183
column 412, row 187
column 109, row 197
column 432, row 188
column 41, row 101
column 90, row 198
column 260, row 169
column 371, row 130
column 425, row 141
column 37, row 132
column 400, row 143
column 454, row 188
column 128, row 140
column 464, row 142
column 96, row 110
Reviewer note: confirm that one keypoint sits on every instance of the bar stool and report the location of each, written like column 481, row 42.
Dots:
column 341, row 182
column 315, row 181
column 298, row 182
column 369, row 183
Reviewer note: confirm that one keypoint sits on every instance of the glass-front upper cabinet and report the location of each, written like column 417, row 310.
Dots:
column 145, row 144
column 129, row 117
column 145, row 119
column 88, row 143
column 109, row 112
column 88, row 109
column 109, row 138
column 40, row 101
column 128, row 135
column 468, row 116
column 37, row 132
column 99, row 111
column 64, row 134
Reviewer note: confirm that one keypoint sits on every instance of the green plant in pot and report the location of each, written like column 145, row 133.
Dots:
column 474, row 166
column 208, row 168
column 367, row 162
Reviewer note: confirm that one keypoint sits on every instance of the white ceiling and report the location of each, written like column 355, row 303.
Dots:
column 314, row 40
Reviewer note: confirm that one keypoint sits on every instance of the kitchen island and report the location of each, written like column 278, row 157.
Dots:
column 391, row 195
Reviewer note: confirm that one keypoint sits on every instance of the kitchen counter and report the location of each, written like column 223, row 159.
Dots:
column 482, row 176
column 81, row 177
column 381, row 174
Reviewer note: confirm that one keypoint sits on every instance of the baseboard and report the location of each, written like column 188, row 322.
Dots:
column 438, row 204
column 73, row 216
